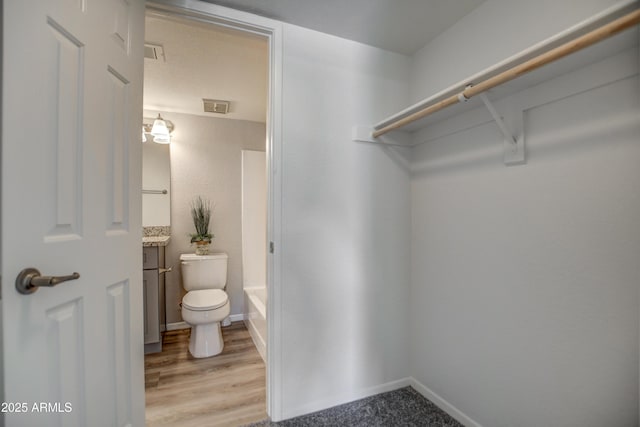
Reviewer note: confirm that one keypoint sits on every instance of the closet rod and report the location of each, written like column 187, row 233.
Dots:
column 586, row 40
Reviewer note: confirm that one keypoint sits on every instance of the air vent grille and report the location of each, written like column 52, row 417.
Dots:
column 154, row 52
column 216, row 106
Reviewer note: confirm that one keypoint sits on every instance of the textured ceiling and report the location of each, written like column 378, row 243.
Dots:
column 402, row 26
column 205, row 61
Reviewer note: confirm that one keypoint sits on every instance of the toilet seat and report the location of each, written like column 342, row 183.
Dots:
column 204, row 299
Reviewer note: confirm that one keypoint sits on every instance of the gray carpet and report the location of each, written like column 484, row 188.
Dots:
column 403, row 407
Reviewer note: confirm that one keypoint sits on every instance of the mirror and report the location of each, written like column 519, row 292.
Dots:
column 156, row 185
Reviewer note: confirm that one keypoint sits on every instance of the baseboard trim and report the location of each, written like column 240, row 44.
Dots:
column 460, row 416
column 155, row 347
column 177, row 325
column 184, row 325
column 342, row 399
column 441, row 403
column 237, row 317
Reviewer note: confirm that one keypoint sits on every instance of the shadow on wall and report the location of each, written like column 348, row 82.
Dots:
column 481, row 147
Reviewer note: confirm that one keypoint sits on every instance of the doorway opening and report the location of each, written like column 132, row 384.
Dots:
column 216, row 156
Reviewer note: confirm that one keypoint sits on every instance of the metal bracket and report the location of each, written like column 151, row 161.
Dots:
column 514, row 153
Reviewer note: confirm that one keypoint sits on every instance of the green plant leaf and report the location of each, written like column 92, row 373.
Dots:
column 201, row 215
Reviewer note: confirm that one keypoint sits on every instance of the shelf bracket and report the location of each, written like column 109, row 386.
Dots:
column 514, row 153
column 398, row 138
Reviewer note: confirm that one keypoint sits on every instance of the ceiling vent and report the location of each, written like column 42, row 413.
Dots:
column 216, row 106
column 154, row 52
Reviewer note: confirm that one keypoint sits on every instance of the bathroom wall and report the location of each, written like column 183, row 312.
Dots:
column 206, row 161
column 345, row 224
column 524, row 295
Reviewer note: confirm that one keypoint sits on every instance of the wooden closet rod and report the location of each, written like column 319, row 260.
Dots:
column 586, row 40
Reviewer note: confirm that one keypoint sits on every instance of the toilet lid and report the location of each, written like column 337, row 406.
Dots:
column 204, row 299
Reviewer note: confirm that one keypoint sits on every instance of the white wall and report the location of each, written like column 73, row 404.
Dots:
column 494, row 31
column 206, row 161
column 524, row 297
column 345, row 242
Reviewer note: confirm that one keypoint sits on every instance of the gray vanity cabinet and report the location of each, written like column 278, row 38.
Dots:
column 153, row 281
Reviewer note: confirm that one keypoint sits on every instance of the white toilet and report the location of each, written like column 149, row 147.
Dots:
column 206, row 303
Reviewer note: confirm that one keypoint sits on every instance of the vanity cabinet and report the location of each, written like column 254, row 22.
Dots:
column 153, row 282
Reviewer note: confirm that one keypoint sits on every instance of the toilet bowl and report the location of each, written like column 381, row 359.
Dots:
column 206, row 303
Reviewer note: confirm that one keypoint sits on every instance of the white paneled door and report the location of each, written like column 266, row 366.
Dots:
column 71, row 202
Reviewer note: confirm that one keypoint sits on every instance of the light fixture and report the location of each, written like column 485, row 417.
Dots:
column 159, row 127
column 161, row 139
column 160, row 130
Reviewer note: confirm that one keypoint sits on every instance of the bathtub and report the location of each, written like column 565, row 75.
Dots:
column 255, row 318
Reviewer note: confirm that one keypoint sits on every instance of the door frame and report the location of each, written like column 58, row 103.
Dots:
column 272, row 30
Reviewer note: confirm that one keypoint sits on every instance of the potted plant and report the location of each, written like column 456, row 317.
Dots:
column 201, row 214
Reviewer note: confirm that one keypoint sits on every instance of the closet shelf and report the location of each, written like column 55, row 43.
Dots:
column 594, row 39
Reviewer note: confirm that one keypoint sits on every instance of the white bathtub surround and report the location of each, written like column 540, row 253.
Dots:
column 254, row 218
column 255, row 302
column 254, row 246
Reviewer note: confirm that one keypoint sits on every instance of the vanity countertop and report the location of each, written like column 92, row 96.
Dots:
column 155, row 240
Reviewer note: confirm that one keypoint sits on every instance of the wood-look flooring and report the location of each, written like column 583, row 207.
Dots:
column 224, row 390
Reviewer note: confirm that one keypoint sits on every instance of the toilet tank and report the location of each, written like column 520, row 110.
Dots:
column 204, row 271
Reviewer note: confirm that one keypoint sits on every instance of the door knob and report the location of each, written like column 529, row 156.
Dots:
column 29, row 280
